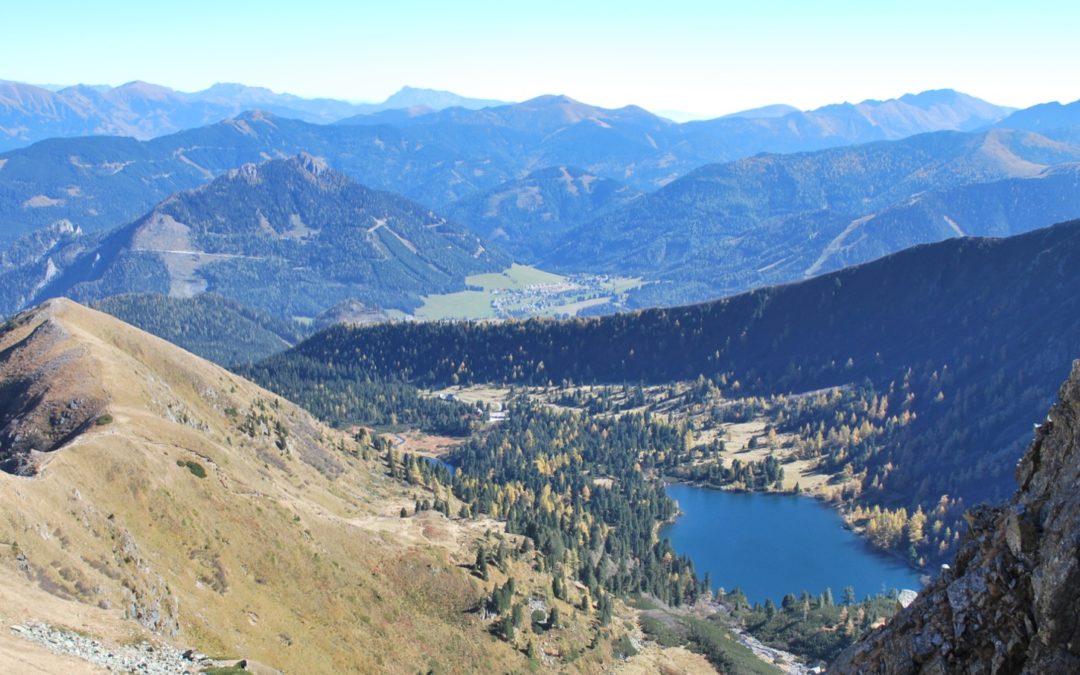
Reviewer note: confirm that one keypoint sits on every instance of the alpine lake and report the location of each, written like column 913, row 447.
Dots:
column 769, row 545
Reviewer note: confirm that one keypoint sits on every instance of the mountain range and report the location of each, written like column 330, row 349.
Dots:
column 436, row 159
column 419, row 100
column 769, row 219
column 502, row 171
column 775, row 129
column 142, row 110
column 287, row 237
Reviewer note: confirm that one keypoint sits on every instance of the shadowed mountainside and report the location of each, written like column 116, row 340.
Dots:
column 1008, row 602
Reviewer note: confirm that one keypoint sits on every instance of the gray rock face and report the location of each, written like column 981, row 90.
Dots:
column 1011, row 601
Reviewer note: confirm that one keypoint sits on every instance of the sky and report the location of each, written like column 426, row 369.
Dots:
column 706, row 58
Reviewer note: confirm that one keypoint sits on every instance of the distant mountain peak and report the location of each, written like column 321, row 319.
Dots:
column 309, row 166
column 233, row 89
column 932, row 97
column 255, row 115
column 146, row 89
column 765, row 112
column 408, row 90
column 552, row 100
column 437, row 99
column 316, row 166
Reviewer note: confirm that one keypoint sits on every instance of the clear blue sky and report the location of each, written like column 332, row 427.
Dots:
column 704, row 57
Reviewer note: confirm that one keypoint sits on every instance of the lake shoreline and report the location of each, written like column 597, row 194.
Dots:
column 817, row 496
column 782, row 544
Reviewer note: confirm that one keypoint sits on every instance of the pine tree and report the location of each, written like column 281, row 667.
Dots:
column 849, row 595
column 826, row 598
column 481, row 565
column 504, row 628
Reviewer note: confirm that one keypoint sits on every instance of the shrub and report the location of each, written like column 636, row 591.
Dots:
column 624, row 647
column 195, row 468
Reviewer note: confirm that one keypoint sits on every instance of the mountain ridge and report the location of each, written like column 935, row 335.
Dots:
column 165, row 513
column 726, row 228
column 435, row 158
column 30, row 113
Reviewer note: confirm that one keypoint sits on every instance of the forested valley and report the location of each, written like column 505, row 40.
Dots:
column 863, row 382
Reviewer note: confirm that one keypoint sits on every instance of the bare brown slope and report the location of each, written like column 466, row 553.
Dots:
column 47, row 393
column 290, row 550
column 1011, row 602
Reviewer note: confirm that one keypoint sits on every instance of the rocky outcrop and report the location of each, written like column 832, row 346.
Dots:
column 1011, row 601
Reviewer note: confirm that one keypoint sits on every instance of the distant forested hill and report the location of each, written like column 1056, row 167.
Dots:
column 527, row 217
column 291, row 238
column 726, row 228
column 208, row 325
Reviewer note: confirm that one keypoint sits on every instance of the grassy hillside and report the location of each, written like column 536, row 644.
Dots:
column 521, row 290
column 189, row 505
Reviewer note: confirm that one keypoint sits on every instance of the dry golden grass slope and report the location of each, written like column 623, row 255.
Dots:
column 290, row 550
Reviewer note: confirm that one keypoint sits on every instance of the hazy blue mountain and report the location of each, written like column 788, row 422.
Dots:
column 436, row 99
column 527, row 216
column 288, row 237
column 742, row 135
column 647, row 151
column 236, row 98
column 392, row 116
column 436, row 158
column 30, row 113
column 102, row 182
column 765, row 112
column 769, row 219
column 1044, row 117
column 141, row 110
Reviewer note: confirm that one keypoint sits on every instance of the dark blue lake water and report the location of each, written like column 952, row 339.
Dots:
column 770, row 545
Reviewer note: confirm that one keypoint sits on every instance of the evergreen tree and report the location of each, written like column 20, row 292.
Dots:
column 849, row 595
column 481, row 564
column 554, row 617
